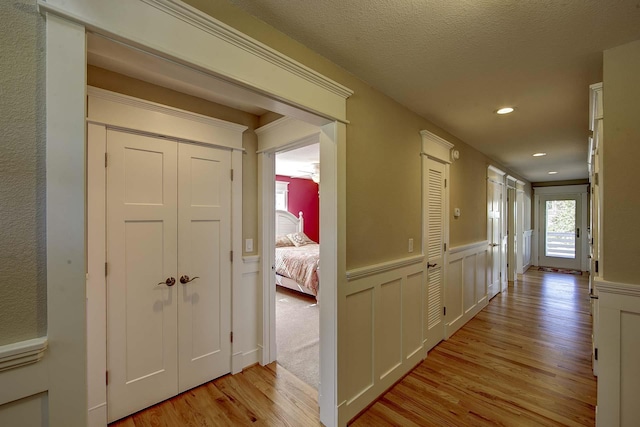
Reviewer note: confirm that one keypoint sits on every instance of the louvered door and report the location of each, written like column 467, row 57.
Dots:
column 434, row 245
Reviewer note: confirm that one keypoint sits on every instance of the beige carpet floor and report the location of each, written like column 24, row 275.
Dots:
column 297, row 334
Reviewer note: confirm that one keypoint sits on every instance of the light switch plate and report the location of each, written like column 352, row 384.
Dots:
column 410, row 245
column 248, row 245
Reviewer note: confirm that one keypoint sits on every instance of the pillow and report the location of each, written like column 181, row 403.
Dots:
column 283, row 241
column 300, row 239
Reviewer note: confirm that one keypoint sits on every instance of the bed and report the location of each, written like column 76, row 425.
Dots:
column 297, row 257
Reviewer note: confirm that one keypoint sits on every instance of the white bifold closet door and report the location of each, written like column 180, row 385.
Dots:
column 168, row 216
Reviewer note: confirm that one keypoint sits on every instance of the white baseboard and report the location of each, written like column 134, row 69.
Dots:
column 98, row 415
column 240, row 361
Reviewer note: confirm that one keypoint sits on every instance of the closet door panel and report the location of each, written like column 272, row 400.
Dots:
column 204, row 252
column 141, row 256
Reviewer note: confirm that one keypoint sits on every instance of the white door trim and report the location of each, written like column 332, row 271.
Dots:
column 581, row 189
column 281, row 135
column 105, row 114
column 290, row 87
column 438, row 149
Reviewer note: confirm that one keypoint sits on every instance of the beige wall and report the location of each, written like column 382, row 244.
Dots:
column 109, row 80
column 621, row 152
column 383, row 163
column 23, row 298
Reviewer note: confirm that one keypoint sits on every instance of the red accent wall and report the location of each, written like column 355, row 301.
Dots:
column 303, row 196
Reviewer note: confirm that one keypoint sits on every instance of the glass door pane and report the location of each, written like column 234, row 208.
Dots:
column 560, row 228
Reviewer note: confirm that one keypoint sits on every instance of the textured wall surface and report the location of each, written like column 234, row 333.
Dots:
column 621, row 151
column 384, row 183
column 22, row 173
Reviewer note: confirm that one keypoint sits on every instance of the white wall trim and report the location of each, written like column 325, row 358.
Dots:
column 286, row 133
column 617, row 288
column 436, row 147
column 115, row 109
column 282, row 78
column 359, row 273
column 24, row 381
column 496, row 170
column 251, row 260
column 22, row 353
column 379, row 348
column 144, row 104
column 471, row 247
column 202, row 43
column 618, row 309
column 206, row 23
column 466, row 291
column 562, row 189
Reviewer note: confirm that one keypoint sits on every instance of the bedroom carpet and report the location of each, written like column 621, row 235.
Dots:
column 297, row 335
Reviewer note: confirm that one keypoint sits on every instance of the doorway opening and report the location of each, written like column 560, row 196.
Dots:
column 561, row 221
column 297, row 257
column 560, row 232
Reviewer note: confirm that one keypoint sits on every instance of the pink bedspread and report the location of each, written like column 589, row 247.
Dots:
column 300, row 264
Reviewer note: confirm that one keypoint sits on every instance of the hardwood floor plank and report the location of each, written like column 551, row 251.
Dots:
column 525, row 360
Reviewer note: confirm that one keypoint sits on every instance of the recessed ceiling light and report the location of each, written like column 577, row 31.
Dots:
column 553, row 173
column 505, row 110
column 539, row 154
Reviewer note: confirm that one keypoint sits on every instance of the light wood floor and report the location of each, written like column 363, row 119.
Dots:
column 523, row 361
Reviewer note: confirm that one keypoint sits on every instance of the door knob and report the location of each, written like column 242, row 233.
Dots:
column 169, row 282
column 493, row 245
column 429, row 265
column 185, row 279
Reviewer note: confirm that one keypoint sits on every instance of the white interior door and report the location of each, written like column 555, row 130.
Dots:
column 494, row 221
column 204, row 236
column 560, row 233
column 435, row 239
column 142, row 256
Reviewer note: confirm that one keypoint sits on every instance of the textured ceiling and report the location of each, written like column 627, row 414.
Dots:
column 456, row 62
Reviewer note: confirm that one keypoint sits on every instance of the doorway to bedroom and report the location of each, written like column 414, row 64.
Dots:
column 297, row 253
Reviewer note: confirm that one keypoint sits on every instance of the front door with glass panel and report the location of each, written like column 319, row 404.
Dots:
column 560, row 232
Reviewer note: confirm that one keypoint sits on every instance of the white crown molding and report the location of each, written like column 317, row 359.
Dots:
column 163, row 109
column 22, row 353
column 496, row 170
column 626, row 289
column 206, row 23
column 276, row 124
column 436, row 147
column 370, row 270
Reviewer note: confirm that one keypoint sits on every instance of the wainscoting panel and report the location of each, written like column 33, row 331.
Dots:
column 24, row 382
column 454, row 291
column 247, row 316
column 383, row 332
column 411, row 324
column 526, row 262
column 29, row 411
column 469, row 283
column 389, row 328
column 466, row 287
column 481, row 277
column 618, row 354
column 359, row 329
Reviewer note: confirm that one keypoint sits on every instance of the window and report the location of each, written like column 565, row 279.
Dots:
column 282, row 195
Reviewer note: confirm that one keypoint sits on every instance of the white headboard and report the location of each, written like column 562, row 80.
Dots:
column 288, row 223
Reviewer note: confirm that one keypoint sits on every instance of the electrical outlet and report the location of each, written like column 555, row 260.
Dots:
column 248, row 245
column 410, row 245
